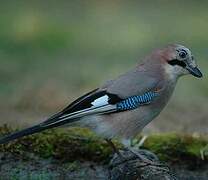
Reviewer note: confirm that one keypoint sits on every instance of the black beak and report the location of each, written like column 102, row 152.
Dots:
column 194, row 71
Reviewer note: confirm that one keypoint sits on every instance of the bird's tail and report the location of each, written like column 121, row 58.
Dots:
column 24, row 132
column 57, row 120
column 29, row 131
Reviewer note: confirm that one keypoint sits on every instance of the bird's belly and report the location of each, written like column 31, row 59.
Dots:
column 120, row 125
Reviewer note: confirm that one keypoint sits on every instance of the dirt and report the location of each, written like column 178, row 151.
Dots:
column 36, row 168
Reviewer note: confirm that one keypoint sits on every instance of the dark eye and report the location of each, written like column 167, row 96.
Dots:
column 182, row 54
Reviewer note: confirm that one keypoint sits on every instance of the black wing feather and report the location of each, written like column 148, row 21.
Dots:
column 85, row 102
column 79, row 104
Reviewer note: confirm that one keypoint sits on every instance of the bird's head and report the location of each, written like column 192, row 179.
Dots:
column 178, row 60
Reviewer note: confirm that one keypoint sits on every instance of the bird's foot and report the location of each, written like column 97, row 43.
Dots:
column 146, row 158
column 137, row 163
column 118, row 155
column 143, row 154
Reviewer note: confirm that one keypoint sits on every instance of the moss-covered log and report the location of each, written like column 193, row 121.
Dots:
column 75, row 143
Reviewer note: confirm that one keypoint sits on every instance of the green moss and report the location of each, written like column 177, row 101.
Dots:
column 67, row 144
column 175, row 147
column 75, row 143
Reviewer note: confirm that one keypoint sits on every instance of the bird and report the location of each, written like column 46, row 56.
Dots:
column 122, row 107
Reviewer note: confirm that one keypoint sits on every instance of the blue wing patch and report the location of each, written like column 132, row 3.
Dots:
column 134, row 102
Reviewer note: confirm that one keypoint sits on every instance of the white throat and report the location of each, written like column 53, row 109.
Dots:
column 174, row 72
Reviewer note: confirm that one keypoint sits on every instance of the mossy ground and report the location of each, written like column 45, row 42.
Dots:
column 177, row 147
column 68, row 144
column 75, row 143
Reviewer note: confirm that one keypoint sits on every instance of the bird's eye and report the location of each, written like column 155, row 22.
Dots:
column 182, row 54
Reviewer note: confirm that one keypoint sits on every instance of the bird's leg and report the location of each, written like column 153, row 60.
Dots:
column 128, row 162
column 144, row 161
column 115, row 149
column 128, row 146
column 133, row 149
column 141, row 142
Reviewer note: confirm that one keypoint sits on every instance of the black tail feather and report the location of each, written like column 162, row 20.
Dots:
column 19, row 134
column 33, row 130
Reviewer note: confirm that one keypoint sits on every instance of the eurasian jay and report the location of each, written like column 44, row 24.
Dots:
column 122, row 107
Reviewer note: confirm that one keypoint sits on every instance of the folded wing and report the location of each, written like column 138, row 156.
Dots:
column 95, row 102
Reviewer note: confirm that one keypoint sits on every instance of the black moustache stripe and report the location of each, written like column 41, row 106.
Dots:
column 177, row 62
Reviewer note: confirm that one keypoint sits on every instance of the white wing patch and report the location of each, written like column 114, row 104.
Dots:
column 100, row 101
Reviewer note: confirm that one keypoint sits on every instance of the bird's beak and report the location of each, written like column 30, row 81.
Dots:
column 194, row 71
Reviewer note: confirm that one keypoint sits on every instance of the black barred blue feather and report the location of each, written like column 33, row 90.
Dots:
column 135, row 101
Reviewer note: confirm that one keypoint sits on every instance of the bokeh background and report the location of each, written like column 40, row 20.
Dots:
column 51, row 52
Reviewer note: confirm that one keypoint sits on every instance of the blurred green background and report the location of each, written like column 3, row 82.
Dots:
column 51, row 52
